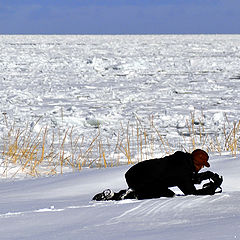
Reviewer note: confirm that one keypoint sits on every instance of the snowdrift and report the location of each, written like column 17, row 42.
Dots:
column 60, row 207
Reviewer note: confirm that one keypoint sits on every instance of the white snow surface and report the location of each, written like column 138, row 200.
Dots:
column 60, row 207
column 90, row 81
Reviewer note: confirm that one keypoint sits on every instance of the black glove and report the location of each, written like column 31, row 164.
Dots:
column 199, row 177
column 214, row 184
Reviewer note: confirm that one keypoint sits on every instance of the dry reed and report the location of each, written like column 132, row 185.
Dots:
column 44, row 152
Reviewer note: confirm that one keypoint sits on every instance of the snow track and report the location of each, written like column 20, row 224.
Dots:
column 204, row 214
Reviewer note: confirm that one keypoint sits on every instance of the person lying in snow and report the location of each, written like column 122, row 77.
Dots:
column 152, row 178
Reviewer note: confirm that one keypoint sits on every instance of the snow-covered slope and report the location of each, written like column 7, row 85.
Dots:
column 60, row 207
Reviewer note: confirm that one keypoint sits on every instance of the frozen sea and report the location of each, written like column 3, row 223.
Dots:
column 109, row 81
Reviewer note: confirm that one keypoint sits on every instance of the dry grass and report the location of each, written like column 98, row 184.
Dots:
column 48, row 151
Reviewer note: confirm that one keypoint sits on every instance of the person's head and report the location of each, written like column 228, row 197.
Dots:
column 200, row 159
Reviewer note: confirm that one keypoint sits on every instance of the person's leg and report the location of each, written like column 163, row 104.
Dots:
column 148, row 192
column 167, row 193
column 125, row 194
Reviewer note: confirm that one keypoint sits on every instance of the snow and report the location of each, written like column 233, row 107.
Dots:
column 91, row 82
column 60, row 207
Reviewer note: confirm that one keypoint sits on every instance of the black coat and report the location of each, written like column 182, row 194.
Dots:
column 159, row 174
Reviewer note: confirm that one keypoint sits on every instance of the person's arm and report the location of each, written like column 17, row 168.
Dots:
column 199, row 177
column 188, row 188
column 205, row 191
column 211, row 187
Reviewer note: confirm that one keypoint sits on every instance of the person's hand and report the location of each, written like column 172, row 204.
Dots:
column 199, row 177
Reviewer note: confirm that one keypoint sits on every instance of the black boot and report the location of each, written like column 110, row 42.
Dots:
column 106, row 195
column 127, row 194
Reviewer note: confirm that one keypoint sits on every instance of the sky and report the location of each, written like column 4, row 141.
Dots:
column 119, row 17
